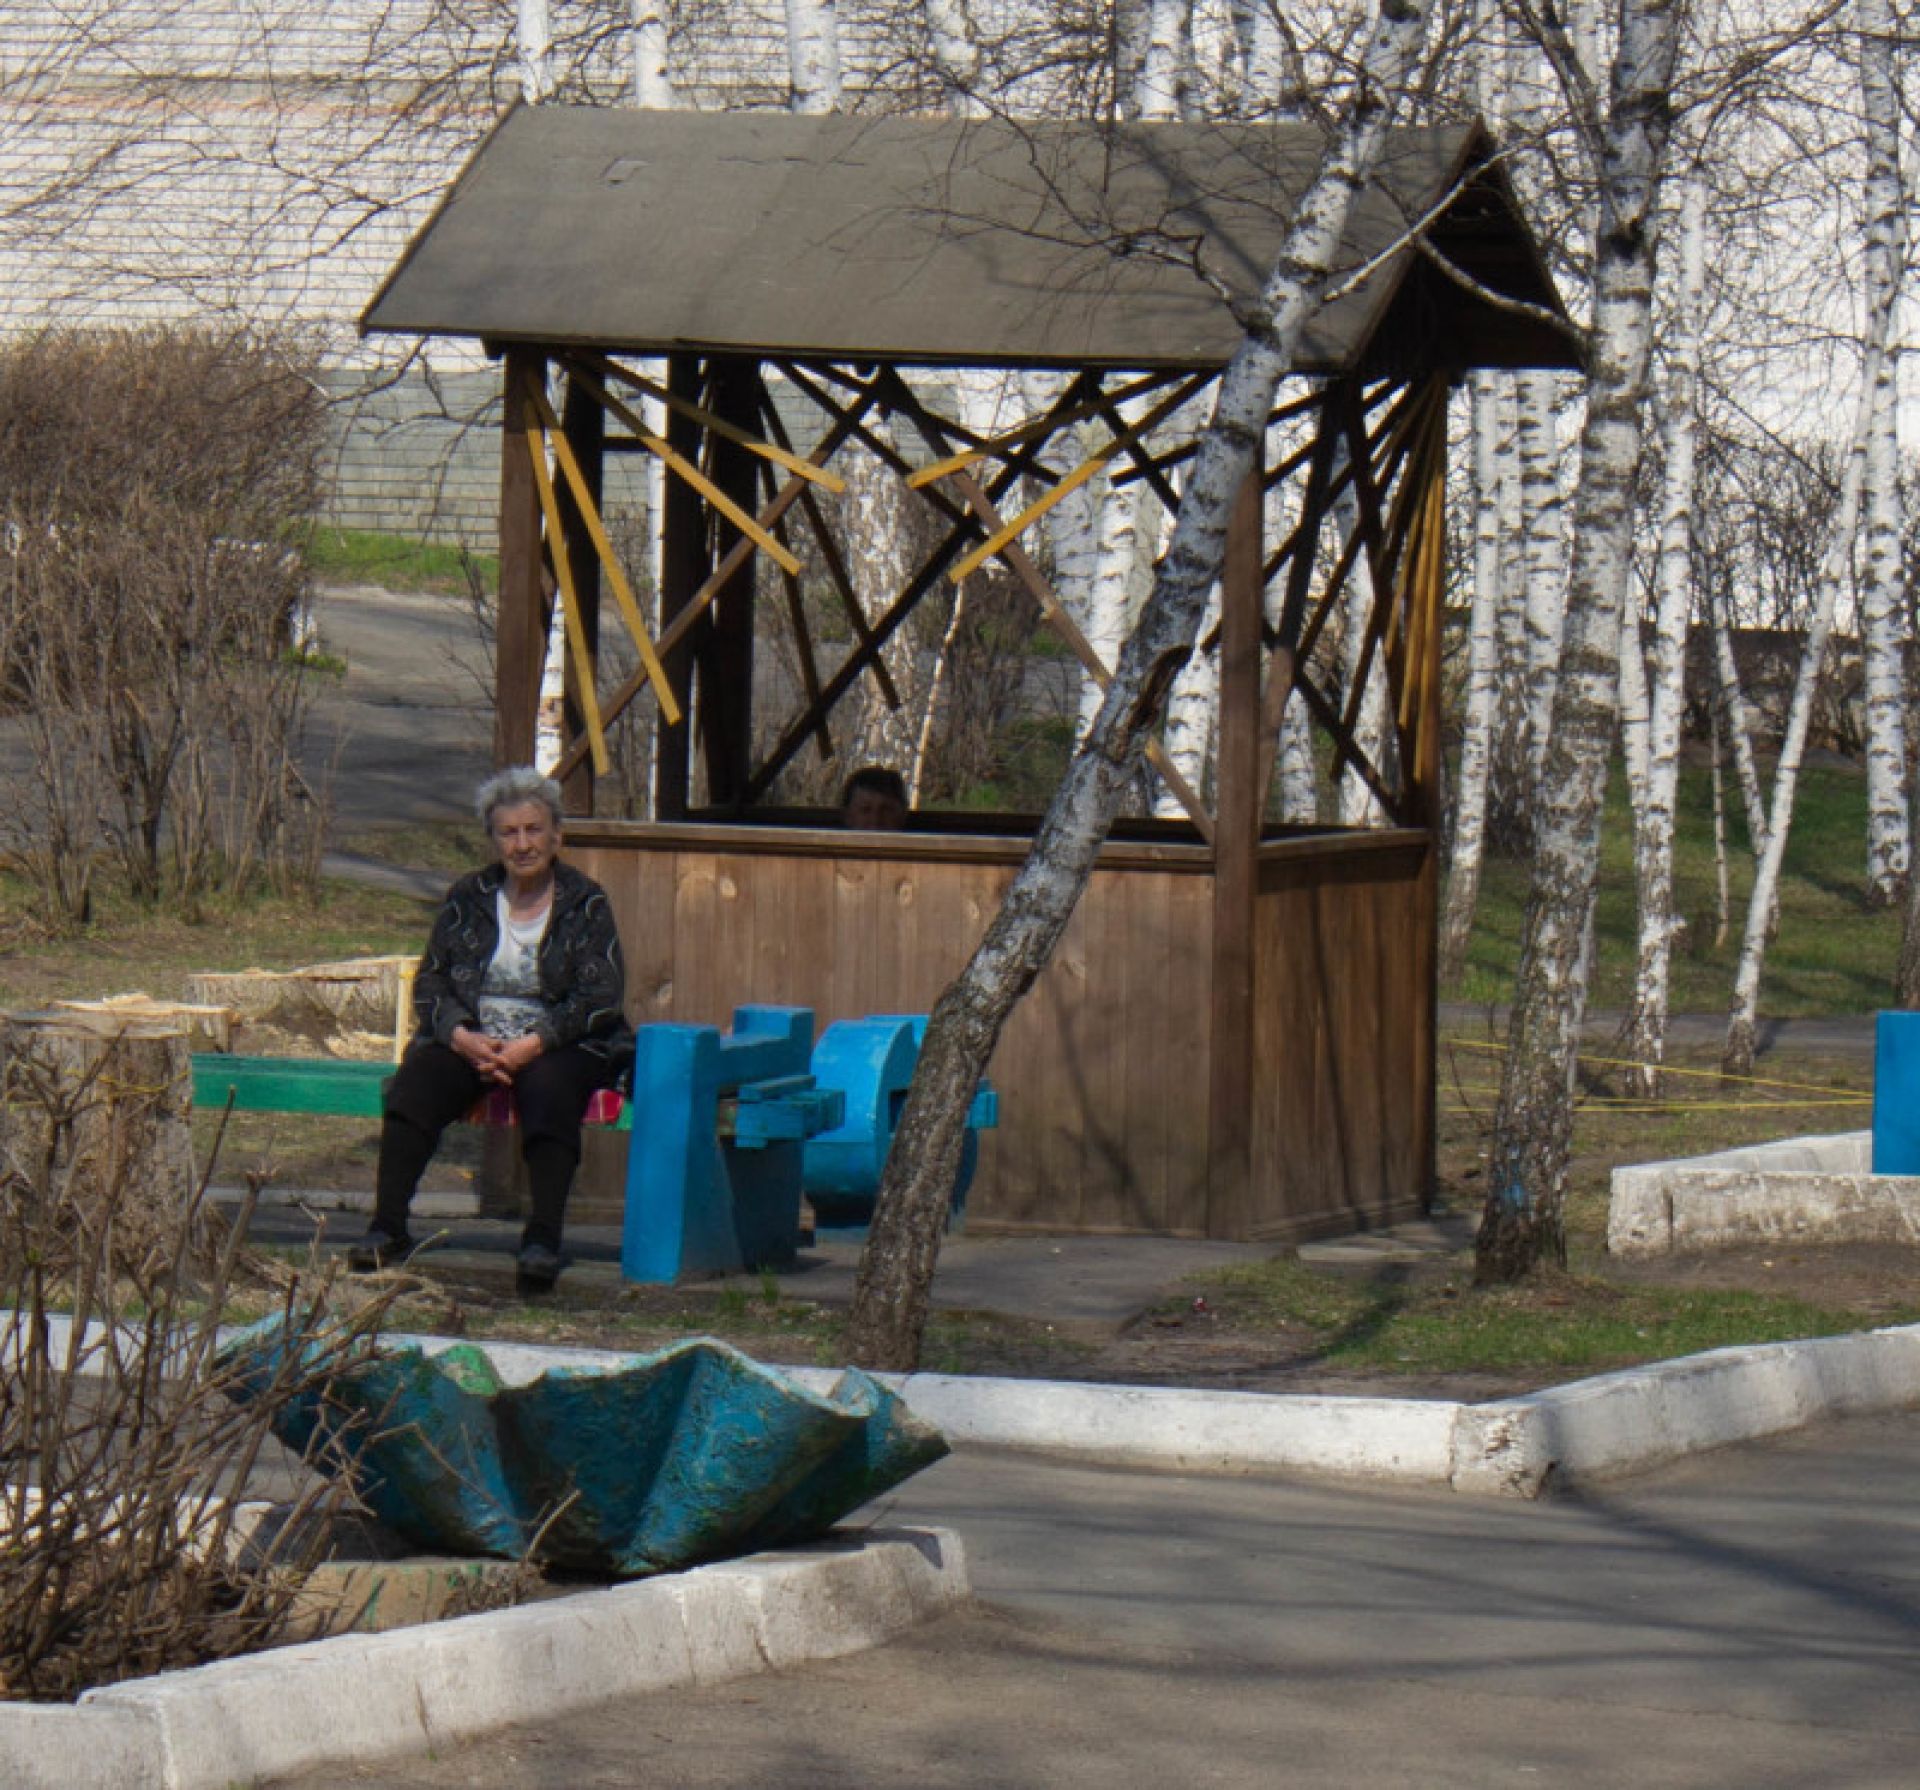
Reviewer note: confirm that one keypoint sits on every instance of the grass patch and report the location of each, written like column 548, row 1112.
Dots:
column 397, row 562
column 1834, row 954
column 1559, row 1326
column 130, row 947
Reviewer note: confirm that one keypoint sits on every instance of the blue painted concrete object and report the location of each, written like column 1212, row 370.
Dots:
column 1896, row 1094
column 694, row 1453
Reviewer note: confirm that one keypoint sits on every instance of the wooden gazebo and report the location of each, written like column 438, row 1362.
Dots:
column 1236, row 1038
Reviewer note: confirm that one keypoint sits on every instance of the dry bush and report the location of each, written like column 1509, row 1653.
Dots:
column 154, row 484
column 122, row 1455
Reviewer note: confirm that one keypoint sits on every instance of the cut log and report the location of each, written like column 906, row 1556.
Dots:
column 354, row 1009
column 94, row 1136
column 207, row 1027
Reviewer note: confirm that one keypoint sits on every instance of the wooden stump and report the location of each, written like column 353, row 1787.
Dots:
column 353, row 1009
column 94, row 1138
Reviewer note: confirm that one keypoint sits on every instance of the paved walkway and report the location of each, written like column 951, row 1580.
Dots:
column 1751, row 1619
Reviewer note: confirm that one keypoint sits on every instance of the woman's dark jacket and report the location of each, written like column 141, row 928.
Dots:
column 583, row 979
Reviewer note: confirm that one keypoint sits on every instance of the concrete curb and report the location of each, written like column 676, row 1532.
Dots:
column 362, row 1697
column 1599, row 1428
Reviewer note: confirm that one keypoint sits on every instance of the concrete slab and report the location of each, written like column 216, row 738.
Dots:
column 362, row 1697
column 1809, row 1190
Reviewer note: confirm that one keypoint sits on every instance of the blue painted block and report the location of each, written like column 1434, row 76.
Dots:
column 698, row 1201
column 871, row 1061
column 1896, row 1094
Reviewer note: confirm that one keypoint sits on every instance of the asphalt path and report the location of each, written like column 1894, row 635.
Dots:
column 407, row 733
column 1751, row 1618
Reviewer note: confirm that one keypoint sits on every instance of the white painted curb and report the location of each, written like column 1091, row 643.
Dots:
column 1629, row 1421
column 1614, row 1424
column 360, row 1697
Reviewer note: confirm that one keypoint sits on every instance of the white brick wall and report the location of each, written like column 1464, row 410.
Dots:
column 267, row 161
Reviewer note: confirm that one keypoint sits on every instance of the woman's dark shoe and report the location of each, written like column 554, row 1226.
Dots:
column 539, row 1267
column 378, row 1249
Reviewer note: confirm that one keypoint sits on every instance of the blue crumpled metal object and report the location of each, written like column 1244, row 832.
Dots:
column 693, row 1453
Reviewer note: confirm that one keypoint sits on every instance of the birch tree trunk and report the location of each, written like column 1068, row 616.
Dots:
column 653, row 89
column 1736, row 724
column 652, row 84
column 1483, row 650
column 1522, row 1225
column 1191, row 707
column 813, row 55
column 533, row 50
column 1160, row 93
column 1876, row 50
column 1883, row 634
column 1646, row 1038
column 1538, row 448
column 897, row 1265
column 1359, row 806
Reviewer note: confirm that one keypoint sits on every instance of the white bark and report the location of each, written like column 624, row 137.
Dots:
column 1538, row 447
column 1477, row 721
column 1723, row 883
column 1191, row 710
column 1268, row 83
column 1736, row 725
column 956, row 54
column 533, row 50
column 873, row 511
column 1876, row 51
column 1299, row 788
column 1115, row 551
column 652, row 85
column 1359, row 806
column 813, row 55
column 1523, row 1224
column 1666, row 679
column 1160, row 92
column 1883, row 634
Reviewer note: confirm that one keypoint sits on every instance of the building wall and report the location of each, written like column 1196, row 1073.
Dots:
column 261, row 164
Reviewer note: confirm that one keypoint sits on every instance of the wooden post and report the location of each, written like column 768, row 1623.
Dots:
column 683, row 569
column 726, row 651
column 520, row 629
column 1236, row 843
column 585, row 424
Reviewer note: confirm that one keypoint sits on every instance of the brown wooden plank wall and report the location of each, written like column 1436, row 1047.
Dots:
column 1103, row 1069
column 1343, row 1037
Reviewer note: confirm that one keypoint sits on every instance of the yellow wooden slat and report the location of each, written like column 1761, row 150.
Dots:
column 1011, row 531
column 677, row 463
column 541, row 412
column 971, row 562
column 718, row 425
column 583, row 668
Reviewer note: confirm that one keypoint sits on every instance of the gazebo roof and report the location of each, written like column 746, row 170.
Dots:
column 955, row 242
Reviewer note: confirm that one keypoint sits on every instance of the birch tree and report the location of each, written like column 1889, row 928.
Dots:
column 652, row 82
column 813, row 55
column 1665, row 675
column 1885, row 225
column 1882, row 633
column 897, row 1265
column 1483, row 669
column 1626, row 140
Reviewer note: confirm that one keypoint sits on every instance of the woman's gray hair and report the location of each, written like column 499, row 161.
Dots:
column 518, row 783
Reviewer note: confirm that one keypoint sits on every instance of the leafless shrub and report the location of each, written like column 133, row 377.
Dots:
column 123, row 1459
column 155, row 485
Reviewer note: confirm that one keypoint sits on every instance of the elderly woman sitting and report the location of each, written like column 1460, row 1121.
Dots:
column 521, row 987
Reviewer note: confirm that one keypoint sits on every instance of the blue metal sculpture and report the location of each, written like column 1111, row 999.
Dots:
column 690, row 1454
